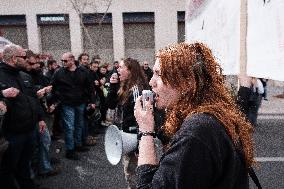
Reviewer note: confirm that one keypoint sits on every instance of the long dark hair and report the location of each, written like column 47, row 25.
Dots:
column 136, row 77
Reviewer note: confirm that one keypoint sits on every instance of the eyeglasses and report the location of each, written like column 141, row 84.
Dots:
column 64, row 61
column 24, row 57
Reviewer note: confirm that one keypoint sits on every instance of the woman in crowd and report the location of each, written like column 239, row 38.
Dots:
column 120, row 96
column 211, row 142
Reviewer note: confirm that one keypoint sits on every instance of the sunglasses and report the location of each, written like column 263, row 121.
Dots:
column 64, row 61
column 24, row 57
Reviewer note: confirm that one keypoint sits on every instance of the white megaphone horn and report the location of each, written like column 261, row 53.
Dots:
column 118, row 143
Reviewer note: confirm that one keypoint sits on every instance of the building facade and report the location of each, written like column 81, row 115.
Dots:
column 113, row 29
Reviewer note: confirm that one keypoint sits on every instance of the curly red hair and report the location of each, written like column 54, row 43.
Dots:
column 192, row 69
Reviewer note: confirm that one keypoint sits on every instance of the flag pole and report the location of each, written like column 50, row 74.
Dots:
column 243, row 37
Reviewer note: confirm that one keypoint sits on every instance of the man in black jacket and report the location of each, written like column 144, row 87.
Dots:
column 42, row 164
column 23, row 113
column 52, row 66
column 147, row 70
column 73, row 88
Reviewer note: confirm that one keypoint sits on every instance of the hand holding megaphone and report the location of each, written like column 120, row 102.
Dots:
column 119, row 143
column 144, row 116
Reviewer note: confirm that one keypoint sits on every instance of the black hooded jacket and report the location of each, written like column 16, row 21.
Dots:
column 23, row 111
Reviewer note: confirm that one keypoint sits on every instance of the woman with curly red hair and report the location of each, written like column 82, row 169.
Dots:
column 211, row 141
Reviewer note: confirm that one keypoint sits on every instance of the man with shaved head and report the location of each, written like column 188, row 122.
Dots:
column 19, row 125
column 73, row 89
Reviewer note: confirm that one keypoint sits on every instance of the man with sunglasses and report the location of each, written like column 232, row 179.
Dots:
column 22, row 116
column 42, row 164
column 73, row 88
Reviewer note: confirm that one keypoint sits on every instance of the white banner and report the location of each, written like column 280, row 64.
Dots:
column 216, row 23
column 265, row 39
column 3, row 42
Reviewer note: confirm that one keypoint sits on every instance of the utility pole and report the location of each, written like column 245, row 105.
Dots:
column 243, row 36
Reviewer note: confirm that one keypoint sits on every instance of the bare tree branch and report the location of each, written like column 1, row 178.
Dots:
column 79, row 8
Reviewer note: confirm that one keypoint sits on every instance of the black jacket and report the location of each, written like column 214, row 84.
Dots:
column 23, row 111
column 39, row 79
column 148, row 73
column 73, row 87
column 201, row 156
column 49, row 74
column 243, row 97
column 126, row 110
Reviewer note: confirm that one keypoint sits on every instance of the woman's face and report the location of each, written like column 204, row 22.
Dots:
column 165, row 94
column 123, row 71
column 94, row 67
column 103, row 70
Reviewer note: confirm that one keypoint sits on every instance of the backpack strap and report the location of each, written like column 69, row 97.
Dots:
column 254, row 177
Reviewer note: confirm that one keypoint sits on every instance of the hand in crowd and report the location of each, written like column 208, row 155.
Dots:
column 48, row 89
column 144, row 118
column 40, row 93
column 3, row 108
column 97, row 83
column 245, row 81
column 51, row 108
column 114, row 78
column 42, row 126
column 43, row 91
column 10, row 92
column 93, row 106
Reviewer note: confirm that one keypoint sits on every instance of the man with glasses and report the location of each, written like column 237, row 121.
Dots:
column 22, row 116
column 42, row 158
column 74, row 89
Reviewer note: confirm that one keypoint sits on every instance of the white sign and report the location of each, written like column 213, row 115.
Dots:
column 217, row 24
column 4, row 42
column 265, row 39
column 52, row 19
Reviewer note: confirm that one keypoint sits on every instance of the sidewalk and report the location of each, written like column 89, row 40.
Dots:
column 274, row 106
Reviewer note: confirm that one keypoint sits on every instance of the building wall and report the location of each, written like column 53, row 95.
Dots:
column 140, row 41
column 16, row 34
column 55, row 39
column 102, row 39
column 165, row 11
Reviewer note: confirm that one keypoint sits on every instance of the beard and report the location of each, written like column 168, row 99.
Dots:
column 20, row 66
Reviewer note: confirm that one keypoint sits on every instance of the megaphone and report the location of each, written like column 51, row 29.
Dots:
column 118, row 143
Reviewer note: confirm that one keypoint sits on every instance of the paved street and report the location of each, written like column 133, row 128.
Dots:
column 93, row 171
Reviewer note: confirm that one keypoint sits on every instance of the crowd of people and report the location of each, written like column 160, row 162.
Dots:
column 206, row 133
column 44, row 100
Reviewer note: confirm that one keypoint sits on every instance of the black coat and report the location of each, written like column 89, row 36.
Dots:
column 73, row 87
column 201, row 156
column 23, row 111
column 148, row 73
column 126, row 110
column 39, row 79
